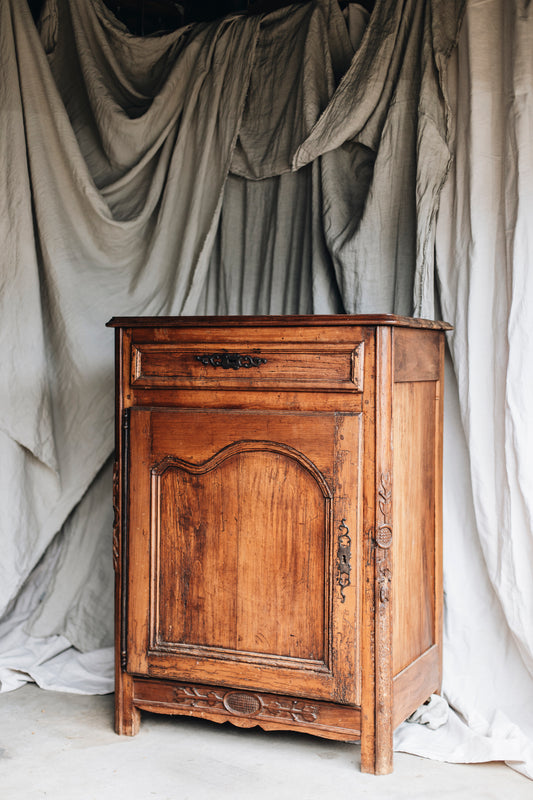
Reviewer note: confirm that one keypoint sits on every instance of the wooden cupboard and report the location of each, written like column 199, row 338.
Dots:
column 277, row 537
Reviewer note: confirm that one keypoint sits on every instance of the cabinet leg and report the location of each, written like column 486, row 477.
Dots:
column 376, row 762
column 384, row 761
column 127, row 716
column 376, row 750
column 367, row 759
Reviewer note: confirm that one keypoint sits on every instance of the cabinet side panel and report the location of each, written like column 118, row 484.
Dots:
column 414, row 433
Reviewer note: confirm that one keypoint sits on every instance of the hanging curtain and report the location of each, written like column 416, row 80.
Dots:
column 110, row 205
column 484, row 247
column 118, row 202
column 274, row 165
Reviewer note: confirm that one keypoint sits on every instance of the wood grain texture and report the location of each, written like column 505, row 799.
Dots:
column 262, row 366
column 383, row 566
column 127, row 716
column 437, row 449
column 249, row 709
column 234, row 568
column 414, row 425
column 417, row 622
column 288, row 321
column 232, row 572
column 367, row 466
column 277, row 539
column 415, row 683
column 416, row 358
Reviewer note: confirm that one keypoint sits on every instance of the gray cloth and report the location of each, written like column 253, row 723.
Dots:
column 116, row 152
column 273, row 165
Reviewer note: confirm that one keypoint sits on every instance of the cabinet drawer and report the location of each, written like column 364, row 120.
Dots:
column 300, row 366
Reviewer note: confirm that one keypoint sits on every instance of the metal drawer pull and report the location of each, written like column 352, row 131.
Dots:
column 230, row 360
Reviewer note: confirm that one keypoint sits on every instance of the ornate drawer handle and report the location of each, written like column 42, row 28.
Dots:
column 230, row 360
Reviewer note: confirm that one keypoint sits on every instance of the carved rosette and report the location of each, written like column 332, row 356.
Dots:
column 245, row 704
column 116, row 517
column 384, row 530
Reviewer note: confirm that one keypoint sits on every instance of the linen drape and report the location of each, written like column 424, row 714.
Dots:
column 96, row 219
column 483, row 256
column 261, row 165
column 120, row 149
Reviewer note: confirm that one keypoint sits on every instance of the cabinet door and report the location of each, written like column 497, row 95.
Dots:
column 243, row 549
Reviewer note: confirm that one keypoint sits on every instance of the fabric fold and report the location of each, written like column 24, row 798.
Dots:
column 77, row 256
column 263, row 165
column 302, row 53
column 391, row 102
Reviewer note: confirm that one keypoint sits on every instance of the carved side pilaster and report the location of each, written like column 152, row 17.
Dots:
column 116, row 517
column 383, row 643
column 123, row 545
column 383, row 538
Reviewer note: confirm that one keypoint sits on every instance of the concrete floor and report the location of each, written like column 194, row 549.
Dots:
column 62, row 747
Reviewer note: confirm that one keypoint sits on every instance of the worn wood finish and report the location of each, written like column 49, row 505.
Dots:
column 203, row 365
column 414, row 535
column 415, row 683
column 376, row 753
column 417, row 578
column 277, row 522
column 249, row 709
column 438, row 448
column 416, row 358
column 236, row 557
column 337, row 321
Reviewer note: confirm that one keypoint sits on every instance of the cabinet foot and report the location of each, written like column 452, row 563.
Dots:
column 127, row 716
column 377, row 765
column 129, row 722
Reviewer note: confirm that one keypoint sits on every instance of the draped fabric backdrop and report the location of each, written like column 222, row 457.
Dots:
column 291, row 163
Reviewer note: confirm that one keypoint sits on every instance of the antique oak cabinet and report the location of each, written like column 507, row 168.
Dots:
column 277, row 538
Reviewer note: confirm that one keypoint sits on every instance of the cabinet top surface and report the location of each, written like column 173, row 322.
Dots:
column 277, row 321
